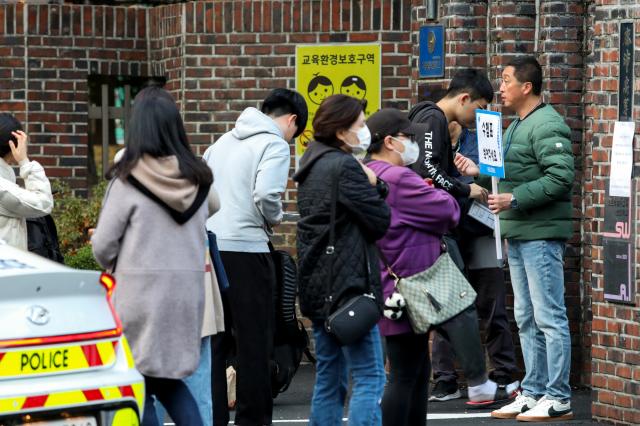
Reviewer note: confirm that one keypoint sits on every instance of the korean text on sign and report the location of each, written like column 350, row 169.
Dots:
column 489, row 131
column 322, row 70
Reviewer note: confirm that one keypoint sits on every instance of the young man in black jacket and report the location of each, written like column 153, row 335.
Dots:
column 468, row 91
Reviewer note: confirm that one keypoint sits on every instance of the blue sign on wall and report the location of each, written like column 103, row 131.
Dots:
column 431, row 51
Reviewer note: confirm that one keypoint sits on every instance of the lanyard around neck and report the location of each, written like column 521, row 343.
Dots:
column 510, row 137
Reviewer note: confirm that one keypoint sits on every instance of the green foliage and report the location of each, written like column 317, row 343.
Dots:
column 74, row 216
column 82, row 259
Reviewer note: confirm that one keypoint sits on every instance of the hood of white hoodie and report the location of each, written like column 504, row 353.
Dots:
column 252, row 122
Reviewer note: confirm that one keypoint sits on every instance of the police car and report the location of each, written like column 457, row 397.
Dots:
column 63, row 358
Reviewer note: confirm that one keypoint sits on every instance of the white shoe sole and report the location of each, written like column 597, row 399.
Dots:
column 528, row 418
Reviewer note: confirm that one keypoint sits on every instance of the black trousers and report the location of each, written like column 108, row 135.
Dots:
column 251, row 313
column 490, row 304
column 463, row 335
column 404, row 402
column 405, row 395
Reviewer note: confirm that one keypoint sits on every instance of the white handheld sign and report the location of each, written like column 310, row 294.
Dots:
column 489, row 131
column 490, row 158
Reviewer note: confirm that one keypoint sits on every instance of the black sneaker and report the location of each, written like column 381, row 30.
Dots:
column 445, row 391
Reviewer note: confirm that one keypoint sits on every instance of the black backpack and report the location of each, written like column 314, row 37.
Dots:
column 42, row 238
column 290, row 338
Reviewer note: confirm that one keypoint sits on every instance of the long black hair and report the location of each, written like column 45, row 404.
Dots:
column 156, row 129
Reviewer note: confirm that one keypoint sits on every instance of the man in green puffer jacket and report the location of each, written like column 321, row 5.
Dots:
column 535, row 213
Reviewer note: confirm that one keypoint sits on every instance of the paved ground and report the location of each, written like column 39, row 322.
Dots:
column 292, row 407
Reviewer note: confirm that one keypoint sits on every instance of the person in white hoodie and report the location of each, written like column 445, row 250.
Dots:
column 16, row 203
column 250, row 166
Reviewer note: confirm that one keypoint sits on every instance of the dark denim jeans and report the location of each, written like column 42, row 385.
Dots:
column 365, row 363
column 175, row 397
column 199, row 384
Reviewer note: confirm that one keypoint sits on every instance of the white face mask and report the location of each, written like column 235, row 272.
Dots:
column 364, row 136
column 411, row 151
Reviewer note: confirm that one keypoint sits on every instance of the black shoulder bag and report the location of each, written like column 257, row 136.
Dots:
column 352, row 320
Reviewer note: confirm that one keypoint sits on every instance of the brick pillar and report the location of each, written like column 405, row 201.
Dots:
column 615, row 339
column 561, row 54
column 51, row 50
column 235, row 52
column 13, row 64
column 465, row 40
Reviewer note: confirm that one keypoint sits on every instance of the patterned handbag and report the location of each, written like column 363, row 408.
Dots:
column 434, row 295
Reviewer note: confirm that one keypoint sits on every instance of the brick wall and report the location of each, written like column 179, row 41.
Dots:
column 51, row 49
column 235, row 52
column 218, row 57
column 616, row 328
column 560, row 49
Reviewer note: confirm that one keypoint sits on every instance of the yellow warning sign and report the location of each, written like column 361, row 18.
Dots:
column 328, row 69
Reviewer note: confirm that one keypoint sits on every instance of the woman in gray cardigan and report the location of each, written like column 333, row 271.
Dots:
column 151, row 234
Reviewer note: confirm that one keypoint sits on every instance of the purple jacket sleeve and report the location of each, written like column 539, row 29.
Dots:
column 424, row 207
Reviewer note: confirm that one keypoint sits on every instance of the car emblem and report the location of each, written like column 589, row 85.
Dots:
column 38, row 315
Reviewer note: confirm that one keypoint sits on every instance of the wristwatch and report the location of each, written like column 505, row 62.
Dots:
column 514, row 202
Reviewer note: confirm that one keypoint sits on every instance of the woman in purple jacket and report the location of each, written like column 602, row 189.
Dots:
column 420, row 216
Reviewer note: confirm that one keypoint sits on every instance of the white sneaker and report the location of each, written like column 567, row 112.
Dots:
column 547, row 410
column 521, row 404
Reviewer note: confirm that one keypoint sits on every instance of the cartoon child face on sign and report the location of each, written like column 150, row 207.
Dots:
column 354, row 86
column 320, row 87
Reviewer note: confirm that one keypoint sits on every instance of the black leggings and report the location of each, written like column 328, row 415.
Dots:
column 176, row 399
column 405, row 396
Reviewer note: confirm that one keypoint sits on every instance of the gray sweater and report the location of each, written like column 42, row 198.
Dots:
column 159, row 266
column 250, row 168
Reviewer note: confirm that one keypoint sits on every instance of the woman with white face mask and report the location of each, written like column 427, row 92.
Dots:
column 420, row 216
column 332, row 272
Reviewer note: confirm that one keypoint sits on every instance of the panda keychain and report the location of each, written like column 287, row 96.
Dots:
column 393, row 305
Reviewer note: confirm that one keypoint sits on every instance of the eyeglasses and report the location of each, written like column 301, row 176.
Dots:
column 480, row 105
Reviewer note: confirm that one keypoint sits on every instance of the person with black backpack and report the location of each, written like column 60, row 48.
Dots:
column 290, row 341
column 42, row 236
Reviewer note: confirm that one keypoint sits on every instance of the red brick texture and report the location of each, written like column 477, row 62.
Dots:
column 615, row 339
column 47, row 53
column 220, row 57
